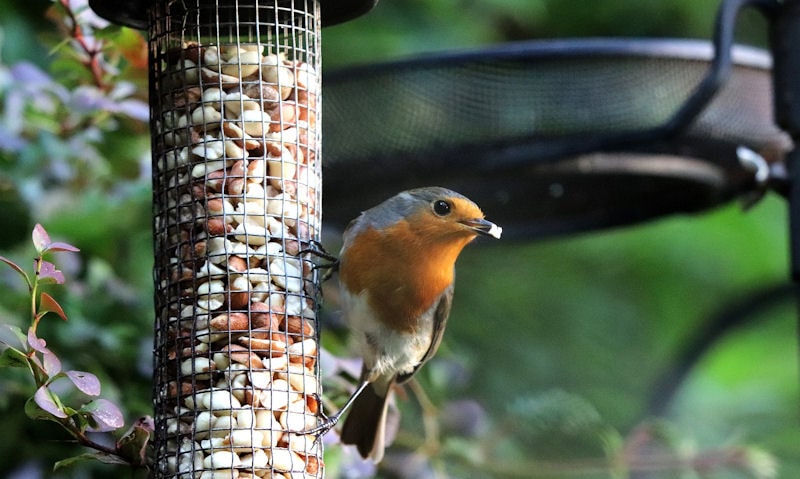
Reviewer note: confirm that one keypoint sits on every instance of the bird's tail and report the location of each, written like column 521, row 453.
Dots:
column 365, row 425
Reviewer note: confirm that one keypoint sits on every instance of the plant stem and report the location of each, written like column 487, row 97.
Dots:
column 34, row 289
column 84, row 440
column 92, row 62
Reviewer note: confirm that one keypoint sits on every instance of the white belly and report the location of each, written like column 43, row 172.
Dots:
column 394, row 353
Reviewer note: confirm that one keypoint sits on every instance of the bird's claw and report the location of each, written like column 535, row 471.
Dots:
column 315, row 248
column 321, row 429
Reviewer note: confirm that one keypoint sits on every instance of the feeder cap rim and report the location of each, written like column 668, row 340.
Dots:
column 133, row 13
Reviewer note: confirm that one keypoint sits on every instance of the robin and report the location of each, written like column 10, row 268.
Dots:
column 396, row 271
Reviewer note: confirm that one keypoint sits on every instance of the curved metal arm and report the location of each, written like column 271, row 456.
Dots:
column 720, row 69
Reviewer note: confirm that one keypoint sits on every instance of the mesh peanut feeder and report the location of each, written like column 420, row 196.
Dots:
column 236, row 184
column 234, row 97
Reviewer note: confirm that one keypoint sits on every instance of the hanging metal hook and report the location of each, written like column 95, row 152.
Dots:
column 752, row 161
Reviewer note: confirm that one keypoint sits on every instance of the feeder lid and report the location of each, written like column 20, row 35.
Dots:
column 551, row 137
column 133, row 13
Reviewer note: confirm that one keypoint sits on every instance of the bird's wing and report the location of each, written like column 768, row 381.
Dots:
column 353, row 228
column 441, row 310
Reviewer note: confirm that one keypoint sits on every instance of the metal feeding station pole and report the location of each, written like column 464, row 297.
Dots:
column 235, row 125
column 784, row 38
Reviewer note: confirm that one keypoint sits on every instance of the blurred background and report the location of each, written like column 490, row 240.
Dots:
column 560, row 353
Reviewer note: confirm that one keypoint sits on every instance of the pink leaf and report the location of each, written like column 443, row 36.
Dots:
column 59, row 246
column 37, row 344
column 43, row 244
column 50, row 362
column 48, row 304
column 86, row 382
column 41, row 240
column 106, row 414
column 44, row 399
column 14, row 265
column 49, row 273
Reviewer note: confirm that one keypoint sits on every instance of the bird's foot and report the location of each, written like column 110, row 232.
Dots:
column 321, row 429
column 315, row 248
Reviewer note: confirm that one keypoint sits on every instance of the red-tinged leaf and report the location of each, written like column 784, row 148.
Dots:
column 59, row 246
column 48, row 273
column 146, row 422
column 47, row 304
column 133, row 445
column 44, row 399
column 107, row 415
column 41, row 240
column 86, row 382
column 15, row 267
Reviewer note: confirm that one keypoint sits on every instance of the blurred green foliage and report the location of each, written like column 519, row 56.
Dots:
column 553, row 348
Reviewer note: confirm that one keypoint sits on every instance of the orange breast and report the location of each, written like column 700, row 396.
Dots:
column 403, row 273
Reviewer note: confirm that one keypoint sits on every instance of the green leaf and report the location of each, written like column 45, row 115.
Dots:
column 69, row 411
column 90, row 456
column 110, row 458
column 48, row 304
column 70, row 461
column 14, row 358
column 33, row 411
column 22, row 337
column 83, row 420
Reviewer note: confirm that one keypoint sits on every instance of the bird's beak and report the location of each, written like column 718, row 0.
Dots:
column 483, row 227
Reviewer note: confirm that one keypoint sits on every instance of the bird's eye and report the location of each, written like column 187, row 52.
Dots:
column 441, row 207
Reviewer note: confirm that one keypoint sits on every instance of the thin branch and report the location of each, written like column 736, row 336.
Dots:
column 84, row 440
column 93, row 54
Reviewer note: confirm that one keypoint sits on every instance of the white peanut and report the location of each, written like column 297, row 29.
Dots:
column 222, row 460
